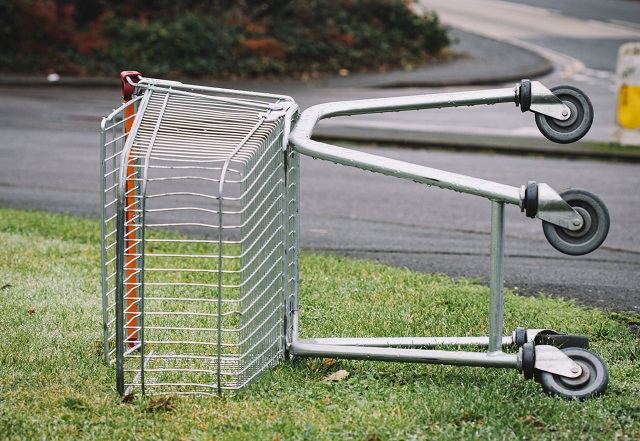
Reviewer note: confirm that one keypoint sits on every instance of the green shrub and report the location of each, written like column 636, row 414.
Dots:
column 222, row 38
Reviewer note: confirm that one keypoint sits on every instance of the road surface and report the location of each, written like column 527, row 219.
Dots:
column 581, row 37
column 49, row 159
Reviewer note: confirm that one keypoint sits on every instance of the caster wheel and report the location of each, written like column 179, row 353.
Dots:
column 528, row 360
column 562, row 341
column 592, row 382
column 525, row 95
column 594, row 229
column 578, row 124
column 520, row 337
column 531, row 199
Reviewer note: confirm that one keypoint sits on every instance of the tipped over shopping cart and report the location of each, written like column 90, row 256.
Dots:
column 200, row 237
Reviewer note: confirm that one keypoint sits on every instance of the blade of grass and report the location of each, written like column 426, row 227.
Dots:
column 54, row 385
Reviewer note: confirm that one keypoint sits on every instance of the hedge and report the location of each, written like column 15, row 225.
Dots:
column 215, row 39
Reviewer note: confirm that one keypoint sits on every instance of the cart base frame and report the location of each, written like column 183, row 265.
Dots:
column 413, row 349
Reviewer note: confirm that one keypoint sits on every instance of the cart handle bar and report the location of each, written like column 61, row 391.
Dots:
column 129, row 80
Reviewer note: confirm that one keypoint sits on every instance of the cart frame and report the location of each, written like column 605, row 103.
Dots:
column 550, row 207
column 574, row 222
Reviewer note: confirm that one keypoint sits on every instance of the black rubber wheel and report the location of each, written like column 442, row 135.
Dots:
column 525, row 95
column 592, row 382
column 595, row 226
column 562, row 341
column 578, row 124
column 531, row 199
column 521, row 337
column 528, row 360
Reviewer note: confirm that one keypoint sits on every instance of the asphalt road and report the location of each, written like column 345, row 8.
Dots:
column 361, row 214
column 50, row 159
column 618, row 12
column 581, row 38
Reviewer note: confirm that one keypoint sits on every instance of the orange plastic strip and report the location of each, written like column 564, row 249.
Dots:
column 130, row 234
column 131, row 291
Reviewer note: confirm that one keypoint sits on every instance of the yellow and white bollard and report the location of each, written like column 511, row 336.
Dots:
column 627, row 120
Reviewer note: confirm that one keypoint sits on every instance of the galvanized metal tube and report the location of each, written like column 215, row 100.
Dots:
column 496, row 359
column 413, row 102
column 103, row 235
column 141, row 244
column 407, row 342
column 302, row 142
column 496, row 281
column 248, row 97
column 119, row 294
column 290, row 318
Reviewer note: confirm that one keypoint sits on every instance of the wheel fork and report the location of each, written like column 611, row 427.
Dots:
column 534, row 96
column 553, row 360
column 543, row 202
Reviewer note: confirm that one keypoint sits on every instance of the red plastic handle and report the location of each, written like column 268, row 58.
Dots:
column 127, row 89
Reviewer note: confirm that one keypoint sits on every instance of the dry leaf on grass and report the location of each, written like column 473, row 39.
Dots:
column 328, row 362
column 162, row 403
column 530, row 419
column 337, row 376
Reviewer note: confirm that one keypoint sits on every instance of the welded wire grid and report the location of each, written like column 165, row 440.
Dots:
column 115, row 128
column 292, row 244
column 206, row 259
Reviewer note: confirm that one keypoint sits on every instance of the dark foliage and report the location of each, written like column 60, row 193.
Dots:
column 216, row 38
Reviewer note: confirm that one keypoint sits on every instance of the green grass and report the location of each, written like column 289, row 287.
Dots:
column 55, row 385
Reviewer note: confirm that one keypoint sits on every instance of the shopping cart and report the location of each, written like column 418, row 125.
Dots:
column 200, row 237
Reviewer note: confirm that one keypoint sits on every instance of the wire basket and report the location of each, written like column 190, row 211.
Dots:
column 199, row 237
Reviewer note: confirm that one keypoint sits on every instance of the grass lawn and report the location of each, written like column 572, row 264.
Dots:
column 54, row 383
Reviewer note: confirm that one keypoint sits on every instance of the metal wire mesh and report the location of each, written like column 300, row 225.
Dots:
column 199, row 237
